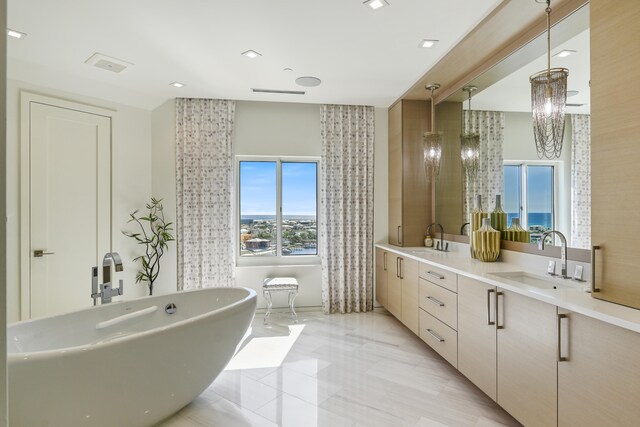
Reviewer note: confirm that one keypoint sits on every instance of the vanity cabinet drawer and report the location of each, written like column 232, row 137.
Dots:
column 439, row 302
column 440, row 337
column 439, row 276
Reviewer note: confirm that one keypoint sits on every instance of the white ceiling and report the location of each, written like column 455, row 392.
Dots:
column 361, row 56
column 513, row 93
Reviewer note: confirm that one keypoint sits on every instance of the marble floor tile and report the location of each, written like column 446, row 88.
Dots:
column 354, row 370
column 289, row 411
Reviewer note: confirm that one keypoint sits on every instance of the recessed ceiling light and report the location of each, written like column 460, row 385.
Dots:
column 427, row 43
column 571, row 93
column 376, row 4
column 15, row 34
column 251, row 54
column 564, row 53
column 308, row 81
column 177, row 84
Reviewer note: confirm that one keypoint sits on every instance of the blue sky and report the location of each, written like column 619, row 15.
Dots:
column 258, row 188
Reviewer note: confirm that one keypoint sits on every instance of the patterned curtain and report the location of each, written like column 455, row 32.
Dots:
column 346, row 206
column 581, row 181
column 204, row 180
column 490, row 178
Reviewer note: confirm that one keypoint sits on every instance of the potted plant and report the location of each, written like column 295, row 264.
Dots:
column 154, row 235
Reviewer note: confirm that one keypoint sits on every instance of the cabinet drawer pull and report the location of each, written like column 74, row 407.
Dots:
column 435, row 301
column 489, row 292
column 498, row 295
column 436, row 275
column 436, row 336
column 593, row 268
column 561, row 358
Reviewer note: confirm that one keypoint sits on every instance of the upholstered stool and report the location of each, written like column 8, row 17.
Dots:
column 274, row 284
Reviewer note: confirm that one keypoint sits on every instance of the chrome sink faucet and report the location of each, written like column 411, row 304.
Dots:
column 440, row 245
column 563, row 250
column 106, row 290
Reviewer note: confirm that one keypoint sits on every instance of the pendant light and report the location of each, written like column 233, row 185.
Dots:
column 548, row 102
column 469, row 142
column 432, row 141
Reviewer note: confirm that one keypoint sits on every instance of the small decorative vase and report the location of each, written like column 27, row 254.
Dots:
column 516, row 233
column 498, row 216
column 486, row 242
column 428, row 241
column 477, row 215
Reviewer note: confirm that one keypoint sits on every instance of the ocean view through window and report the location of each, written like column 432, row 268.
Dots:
column 278, row 208
column 529, row 191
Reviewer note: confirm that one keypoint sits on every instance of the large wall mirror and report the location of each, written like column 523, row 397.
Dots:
column 544, row 194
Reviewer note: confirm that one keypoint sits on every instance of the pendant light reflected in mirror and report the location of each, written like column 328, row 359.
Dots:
column 432, row 141
column 548, row 103
column 469, row 142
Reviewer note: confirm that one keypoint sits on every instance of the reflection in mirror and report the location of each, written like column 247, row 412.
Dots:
column 543, row 194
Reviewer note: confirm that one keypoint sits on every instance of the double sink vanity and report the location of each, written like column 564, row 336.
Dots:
column 539, row 346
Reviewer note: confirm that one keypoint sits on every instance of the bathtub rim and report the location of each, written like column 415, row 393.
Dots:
column 34, row 355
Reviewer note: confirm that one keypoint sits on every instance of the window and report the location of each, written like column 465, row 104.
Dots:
column 529, row 194
column 278, row 208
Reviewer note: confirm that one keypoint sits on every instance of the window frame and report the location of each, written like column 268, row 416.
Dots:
column 524, row 164
column 278, row 259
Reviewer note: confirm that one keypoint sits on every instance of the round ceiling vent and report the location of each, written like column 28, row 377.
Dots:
column 308, row 81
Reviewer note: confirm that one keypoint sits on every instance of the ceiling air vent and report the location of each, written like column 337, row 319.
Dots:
column 108, row 63
column 285, row 92
column 575, row 105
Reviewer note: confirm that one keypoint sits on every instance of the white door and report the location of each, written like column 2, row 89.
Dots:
column 70, row 204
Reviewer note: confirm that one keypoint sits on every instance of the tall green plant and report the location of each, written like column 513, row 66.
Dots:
column 154, row 235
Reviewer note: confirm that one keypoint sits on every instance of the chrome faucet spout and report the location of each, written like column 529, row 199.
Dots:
column 106, row 265
column 563, row 249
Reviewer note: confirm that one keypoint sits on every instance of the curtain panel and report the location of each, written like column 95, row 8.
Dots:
column 346, row 206
column 490, row 178
column 204, row 183
column 581, row 181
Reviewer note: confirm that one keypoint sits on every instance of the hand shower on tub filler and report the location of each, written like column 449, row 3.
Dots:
column 105, row 290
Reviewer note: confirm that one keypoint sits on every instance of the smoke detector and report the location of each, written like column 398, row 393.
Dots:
column 108, row 63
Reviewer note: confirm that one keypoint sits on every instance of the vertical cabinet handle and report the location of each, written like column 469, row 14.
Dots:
column 399, row 238
column 593, row 268
column 560, row 357
column 498, row 295
column 401, row 268
column 489, row 292
column 385, row 261
column 398, row 267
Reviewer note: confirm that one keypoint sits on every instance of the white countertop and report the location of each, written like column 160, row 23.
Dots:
column 576, row 300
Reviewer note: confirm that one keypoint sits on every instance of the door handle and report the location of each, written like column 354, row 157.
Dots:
column 498, row 295
column 593, row 269
column 39, row 253
column 561, row 358
column 385, row 261
column 399, row 238
column 401, row 268
column 398, row 267
column 489, row 292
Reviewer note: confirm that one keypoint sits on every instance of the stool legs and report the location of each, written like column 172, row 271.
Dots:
column 292, row 297
column 267, row 296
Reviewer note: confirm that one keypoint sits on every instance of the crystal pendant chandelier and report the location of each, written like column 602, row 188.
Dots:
column 432, row 141
column 548, row 102
column 469, row 142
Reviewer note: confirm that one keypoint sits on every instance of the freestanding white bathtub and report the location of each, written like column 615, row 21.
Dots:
column 123, row 364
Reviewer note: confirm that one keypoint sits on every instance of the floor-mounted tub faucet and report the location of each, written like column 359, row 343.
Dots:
column 106, row 290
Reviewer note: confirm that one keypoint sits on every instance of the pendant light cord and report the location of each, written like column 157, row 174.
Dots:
column 433, row 112
column 548, row 10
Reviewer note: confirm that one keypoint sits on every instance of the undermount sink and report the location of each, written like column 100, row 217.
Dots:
column 529, row 279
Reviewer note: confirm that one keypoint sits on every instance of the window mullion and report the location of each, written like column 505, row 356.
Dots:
column 279, row 208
